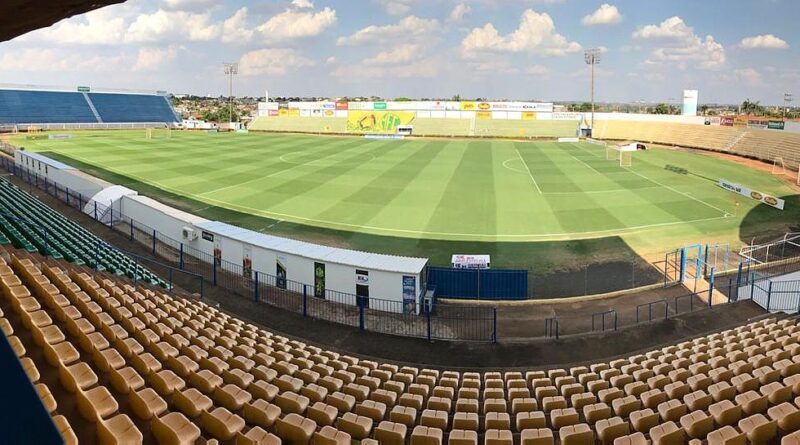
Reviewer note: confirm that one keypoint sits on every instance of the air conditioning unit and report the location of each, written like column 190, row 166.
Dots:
column 189, row 234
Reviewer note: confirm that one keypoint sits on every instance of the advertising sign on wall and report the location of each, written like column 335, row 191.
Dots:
column 483, row 115
column 776, row 125
column 319, row 280
column 529, row 115
column 752, row 194
column 378, row 122
column 689, row 103
column 379, row 106
column 471, row 261
column 341, row 104
column 726, row 121
column 409, row 294
column 468, row 106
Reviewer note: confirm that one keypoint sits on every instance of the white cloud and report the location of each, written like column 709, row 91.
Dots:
column 292, row 24
column 150, row 59
column 302, row 4
column 766, row 41
column 460, row 11
column 331, row 60
column 49, row 60
column 409, row 28
column 189, row 5
column 172, row 25
column 272, row 62
column 604, row 15
column 681, row 46
column 397, row 7
column 400, row 54
column 536, row 33
column 749, row 76
column 235, row 30
column 98, row 27
column 423, row 69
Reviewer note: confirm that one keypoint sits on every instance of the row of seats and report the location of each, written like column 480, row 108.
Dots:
column 65, row 107
column 64, row 238
column 769, row 145
column 189, row 370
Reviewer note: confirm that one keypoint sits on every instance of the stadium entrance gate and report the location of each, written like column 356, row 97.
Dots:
column 695, row 262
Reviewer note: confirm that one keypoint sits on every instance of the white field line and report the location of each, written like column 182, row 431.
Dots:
column 584, row 163
column 725, row 213
column 529, row 170
column 385, row 231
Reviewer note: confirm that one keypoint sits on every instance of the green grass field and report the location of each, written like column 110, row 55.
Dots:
column 432, row 197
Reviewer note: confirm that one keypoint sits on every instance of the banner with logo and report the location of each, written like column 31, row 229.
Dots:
column 379, row 106
column 341, row 104
column 274, row 112
column 283, row 112
column 483, row 114
column 468, row 106
column 567, row 116
column 726, row 121
column 752, row 194
column 529, row 115
column 776, row 125
column 294, row 112
column 409, row 294
column 328, row 113
column 378, row 122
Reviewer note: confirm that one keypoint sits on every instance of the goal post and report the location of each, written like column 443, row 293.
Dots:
column 158, row 133
column 778, row 166
column 621, row 154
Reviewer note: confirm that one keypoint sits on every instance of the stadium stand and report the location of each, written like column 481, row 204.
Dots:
column 132, row 107
column 21, row 106
column 769, row 144
column 18, row 106
column 28, row 224
column 142, row 363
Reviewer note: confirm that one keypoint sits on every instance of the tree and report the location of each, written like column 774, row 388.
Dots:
column 751, row 107
column 402, row 99
column 662, row 109
column 457, row 98
column 703, row 109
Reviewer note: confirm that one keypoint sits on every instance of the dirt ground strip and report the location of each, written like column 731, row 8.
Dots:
column 514, row 320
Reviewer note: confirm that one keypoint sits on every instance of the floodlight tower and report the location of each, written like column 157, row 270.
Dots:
column 231, row 69
column 592, row 57
column 787, row 97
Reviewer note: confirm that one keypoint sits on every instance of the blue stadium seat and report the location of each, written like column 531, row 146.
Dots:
column 132, row 108
column 25, row 107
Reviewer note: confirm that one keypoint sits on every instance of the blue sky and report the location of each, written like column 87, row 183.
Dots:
column 502, row 49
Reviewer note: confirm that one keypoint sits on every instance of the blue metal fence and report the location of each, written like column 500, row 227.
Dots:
column 481, row 284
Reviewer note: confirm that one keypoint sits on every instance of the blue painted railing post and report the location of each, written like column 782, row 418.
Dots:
column 95, row 210
column 711, row 287
column 738, row 281
column 180, row 261
column 752, row 284
column 154, row 242
column 494, row 325
column 214, row 271
column 305, row 300
column 131, row 234
column 428, row 315
column 111, row 215
column 256, row 289
column 769, row 294
column 360, row 313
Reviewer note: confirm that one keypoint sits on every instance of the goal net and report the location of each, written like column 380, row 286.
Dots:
column 619, row 154
column 158, row 133
column 778, row 166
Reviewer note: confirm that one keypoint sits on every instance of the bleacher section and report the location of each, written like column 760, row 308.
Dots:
column 28, row 224
column 143, row 364
column 751, row 142
column 64, row 107
column 132, row 108
column 24, row 107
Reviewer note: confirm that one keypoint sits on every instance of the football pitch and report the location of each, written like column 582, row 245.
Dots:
column 419, row 191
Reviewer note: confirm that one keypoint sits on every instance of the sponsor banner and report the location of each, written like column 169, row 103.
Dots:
column 529, row 115
column 483, row 115
column 385, row 136
column 757, row 123
column 752, row 194
column 726, row 121
column 739, row 122
column 328, row 105
column 328, row 113
column 468, row 106
column 452, row 106
column 378, row 122
column 379, row 106
column 362, row 277
column 484, row 106
column 409, row 294
column 689, row 107
column 273, row 112
column 341, row 104
column 470, row 261
column 294, row 105
column 568, row 140
column 309, row 113
column 776, row 125
column 714, row 120
column 567, row 116
column 283, row 112
column 293, row 112
column 359, row 105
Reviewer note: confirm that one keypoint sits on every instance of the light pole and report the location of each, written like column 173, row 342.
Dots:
column 787, row 97
column 231, row 69
column 592, row 57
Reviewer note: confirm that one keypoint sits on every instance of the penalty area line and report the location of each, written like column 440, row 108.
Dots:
column 528, row 169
